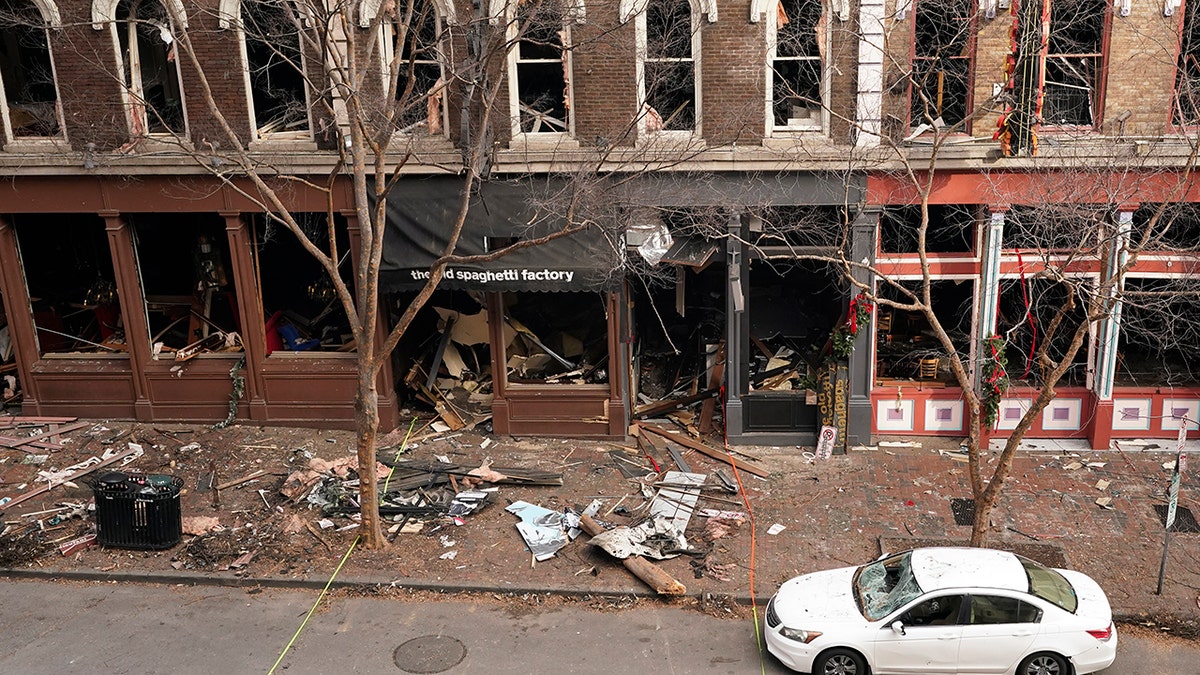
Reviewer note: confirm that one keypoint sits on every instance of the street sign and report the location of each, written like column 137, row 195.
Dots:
column 1173, row 498
column 825, row 442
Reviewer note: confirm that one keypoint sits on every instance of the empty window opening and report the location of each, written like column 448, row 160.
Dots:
column 1187, row 76
column 1026, row 310
column 669, row 66
column 445, row 355
column 1160, row 336
column 419, row 82
column 795, row 227
column 556, row 338
column 542, row 70
column 276, row 66
column 26, row 73
column 941, row 69
column 1074, row 62
column 302, row 309
column 72, row 288
column 797, row 55
column 149, row 68
column 792, row 307
column 187, row 279
column 951, row 228
column 1052, row 227
column 1177, row 228
column 907, row 347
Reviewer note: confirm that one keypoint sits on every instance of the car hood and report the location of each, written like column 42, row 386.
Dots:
column 1093, row 603
column 813, row 599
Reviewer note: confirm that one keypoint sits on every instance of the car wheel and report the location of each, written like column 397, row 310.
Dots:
column 840, row 662
column 1044, row 664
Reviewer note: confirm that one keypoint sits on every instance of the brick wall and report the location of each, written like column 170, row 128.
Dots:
column 733, row 76
column 219, row 51
column 86, row 67
column 604, row 72
column 1142, row 54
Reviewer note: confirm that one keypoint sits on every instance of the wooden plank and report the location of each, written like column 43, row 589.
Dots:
column 674, row 404
column 20, row 443
column 82, row 472
column 719, row 455
column 244, row 479
column 53, row 432
column 715, row 379
column 653, row 575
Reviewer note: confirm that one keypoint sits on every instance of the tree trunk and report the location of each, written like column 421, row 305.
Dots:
column 366, row 417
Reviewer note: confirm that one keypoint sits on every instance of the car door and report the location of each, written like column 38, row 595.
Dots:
column 929, row 642
column 997, row 631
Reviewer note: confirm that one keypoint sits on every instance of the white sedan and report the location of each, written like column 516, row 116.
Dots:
column 943, row 610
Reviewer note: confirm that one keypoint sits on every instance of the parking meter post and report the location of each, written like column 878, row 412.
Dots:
column 1172, row 500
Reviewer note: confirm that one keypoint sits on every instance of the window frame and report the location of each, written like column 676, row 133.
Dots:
column 972, row 34
column 255, row 132
column 48, row 22
column 772, row 32
column 133, row 86
column 515, row 61
column 1189, row 9
column 1099, row 91
column 387, row 51
column 642, row 54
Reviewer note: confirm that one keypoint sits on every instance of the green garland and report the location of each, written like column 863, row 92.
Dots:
column 239, row 390
column 995, row 377
column 859, row 316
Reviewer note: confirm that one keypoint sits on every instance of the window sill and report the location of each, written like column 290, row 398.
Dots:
column 691, row 140
column 311, row 354
column 38, row 146
column 276, row 144
column 543, row 142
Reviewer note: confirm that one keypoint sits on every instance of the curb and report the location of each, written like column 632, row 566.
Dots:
column 180, row 578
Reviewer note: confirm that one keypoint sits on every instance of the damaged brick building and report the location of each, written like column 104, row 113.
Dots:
column 746, row 140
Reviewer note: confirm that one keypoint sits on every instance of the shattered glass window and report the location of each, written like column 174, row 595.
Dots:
column 797, row 53
column 1074, row 61
column 416, row 40
column 941, row 69
column 541, row 80
column 274, row 60
column 1187, row 75
column 26, row 73
column 670, row 66
column 884, row 586
column 149, row 69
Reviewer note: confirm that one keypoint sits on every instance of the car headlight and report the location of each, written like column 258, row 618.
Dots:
column 805, row 636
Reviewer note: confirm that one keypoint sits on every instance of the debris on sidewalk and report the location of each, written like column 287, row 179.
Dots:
column 653, row 575
column 544, row 531
column 656, row 538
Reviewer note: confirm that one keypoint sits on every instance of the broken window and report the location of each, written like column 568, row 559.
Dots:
column 1187, row 75
column 27, row 83
column 540, row 84
column 276, row 66
column 149, row 68
column 557, row 338
column 416, row 42
column 72, row 288
column 670, row 78
column 799, row 226
column 792, row 307
column 798, row 44
column 1052, row 227
column 1177, row 228
column 301, row 307
column 941, row 68
column 1074, row 62
column 951, row 228
column 1026, row 310
column 187, row 280
column 1159, row 337
column 907, row 347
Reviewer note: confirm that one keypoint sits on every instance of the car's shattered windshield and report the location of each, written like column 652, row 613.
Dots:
column 884, row 586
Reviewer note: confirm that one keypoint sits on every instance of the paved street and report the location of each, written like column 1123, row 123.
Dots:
column 126, row 628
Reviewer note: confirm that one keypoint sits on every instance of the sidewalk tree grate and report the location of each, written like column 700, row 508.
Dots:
column 963, row 510
column 1185, row 521
column 429, row 654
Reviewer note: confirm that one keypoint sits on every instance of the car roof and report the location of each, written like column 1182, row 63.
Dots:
column 939, row 568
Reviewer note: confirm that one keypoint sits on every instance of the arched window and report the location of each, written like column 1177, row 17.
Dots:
column 275, row 69
column 540, row 68
column 413, row 51
column 28, row 89
column 149, row 67
column 669, row 74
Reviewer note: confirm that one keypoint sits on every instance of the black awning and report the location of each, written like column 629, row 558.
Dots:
column 421, row 212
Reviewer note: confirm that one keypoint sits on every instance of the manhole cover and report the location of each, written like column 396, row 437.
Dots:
column 963, row 510
column 429, row 654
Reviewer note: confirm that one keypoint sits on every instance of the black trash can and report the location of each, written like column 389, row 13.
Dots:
column 137, row 510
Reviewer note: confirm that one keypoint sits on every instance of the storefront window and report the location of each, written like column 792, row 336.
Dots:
column 302, row 310
column 1027, row 309
column 558, row 338
column 792, row 307
column 187, row 279
column 951, row 228
column 1160, row 338
column 907, row 346
column 72, row 288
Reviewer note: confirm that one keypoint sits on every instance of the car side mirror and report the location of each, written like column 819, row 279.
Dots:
column 898, row 628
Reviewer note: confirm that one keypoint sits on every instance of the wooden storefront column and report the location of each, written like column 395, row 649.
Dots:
column 500, row 411
column 21, row 329
column 618, row 358
column 133, row 308
column 1100, row 429
column 389, row 415
column 250, row 314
